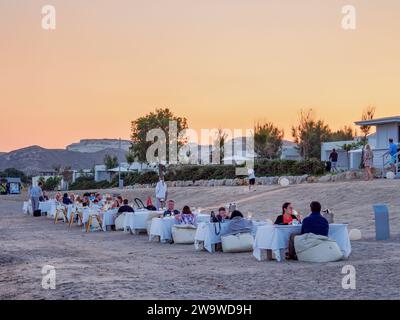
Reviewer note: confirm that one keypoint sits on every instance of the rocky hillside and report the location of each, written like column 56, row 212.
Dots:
column 34, row 159
column 96, row 145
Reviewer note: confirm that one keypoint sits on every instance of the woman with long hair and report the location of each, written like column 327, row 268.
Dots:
column 368, row 163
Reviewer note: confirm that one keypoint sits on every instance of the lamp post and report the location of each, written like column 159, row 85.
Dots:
column 120, row 182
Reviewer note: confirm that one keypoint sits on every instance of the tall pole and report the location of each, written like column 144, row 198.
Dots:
column 119, row 167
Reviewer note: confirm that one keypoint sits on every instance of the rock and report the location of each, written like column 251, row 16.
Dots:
column 355, row 234
column 229, row 182
column 325, row 178
column 312, row 179
column 351, row 175
column 210, row 183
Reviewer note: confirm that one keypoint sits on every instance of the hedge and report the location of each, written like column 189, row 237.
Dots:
column 207, row 172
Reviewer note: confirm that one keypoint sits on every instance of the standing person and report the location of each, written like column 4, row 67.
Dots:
column 333, row 158
column 161, row 193
column 35, row 193
column 392, row 151
column 368, row 162
column 252, row 178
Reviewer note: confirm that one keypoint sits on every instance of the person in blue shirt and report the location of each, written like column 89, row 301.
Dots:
column 66, row 200
column 315, row 223
column 392, row 151
column 170, row 209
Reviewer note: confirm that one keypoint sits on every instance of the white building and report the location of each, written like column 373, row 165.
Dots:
column 386, row 128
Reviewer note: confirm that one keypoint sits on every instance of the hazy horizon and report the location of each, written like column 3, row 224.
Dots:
column 220, row 64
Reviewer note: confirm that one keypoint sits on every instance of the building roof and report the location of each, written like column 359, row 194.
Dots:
column 13, row 180
column 375, row 122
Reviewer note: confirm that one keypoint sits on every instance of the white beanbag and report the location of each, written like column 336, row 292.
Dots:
column 314, row 248
column 119, row 222
column 355, row 234
column 241, row 242
column 183, row 233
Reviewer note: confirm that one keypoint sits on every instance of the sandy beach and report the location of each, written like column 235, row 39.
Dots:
column 117, row 265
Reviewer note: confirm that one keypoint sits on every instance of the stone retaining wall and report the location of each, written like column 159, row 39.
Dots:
column 342, row 176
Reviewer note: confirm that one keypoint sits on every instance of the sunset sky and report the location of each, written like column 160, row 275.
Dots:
column 220, row 63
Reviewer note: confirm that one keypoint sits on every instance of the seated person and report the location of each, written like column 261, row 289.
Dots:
column 45, row 197
column 72, row 198
column 315, row 223
column 170, row 209
column 222, row 215
column 125, row 207
column 85, row 201
column 287, row 215
column 59, row 197
column 115, row 204
column 186, row 217
column 66, row 200
column 99, row 198
column 238, row 224
column 120, row 201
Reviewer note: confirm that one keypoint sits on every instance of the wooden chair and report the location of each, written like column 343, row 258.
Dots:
column 63, row 212
column 89, row 223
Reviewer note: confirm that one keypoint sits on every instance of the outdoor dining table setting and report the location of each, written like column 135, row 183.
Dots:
column 136, row 221
column 162, row 227
column 275, row 239
column 209, row 234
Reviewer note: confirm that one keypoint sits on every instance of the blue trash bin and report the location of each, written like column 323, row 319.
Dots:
column 381, row 222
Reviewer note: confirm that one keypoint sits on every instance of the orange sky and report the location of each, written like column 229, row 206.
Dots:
column 220, row 63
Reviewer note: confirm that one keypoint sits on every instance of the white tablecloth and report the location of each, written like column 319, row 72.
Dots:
column 137, row 220
column 87, row 212
column 276, row 238
column 209, row 233
column 49, row 207
column 162, row 228
column 27, row 207
column 108, row 218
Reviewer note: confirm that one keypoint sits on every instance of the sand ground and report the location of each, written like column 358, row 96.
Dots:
column 115, row 265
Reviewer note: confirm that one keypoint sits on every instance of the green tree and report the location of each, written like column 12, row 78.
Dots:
column 268, row 140
column 309, row 134
column 368, row 114
column 344, row 134
column 159, row 119
column 130, row 158
column 111, row 162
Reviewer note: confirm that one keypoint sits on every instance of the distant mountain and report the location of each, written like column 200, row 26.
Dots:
column 95, row 145
column 33, row 160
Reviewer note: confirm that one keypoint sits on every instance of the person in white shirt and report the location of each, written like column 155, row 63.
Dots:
column 161, row 193
column 252, row 178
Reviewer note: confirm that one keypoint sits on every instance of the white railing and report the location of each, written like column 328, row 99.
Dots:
column 387, row 160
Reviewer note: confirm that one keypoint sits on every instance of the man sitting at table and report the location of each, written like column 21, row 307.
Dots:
column 170, row 209
column 222, row 215
column 315, row 223
column 125, row 207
